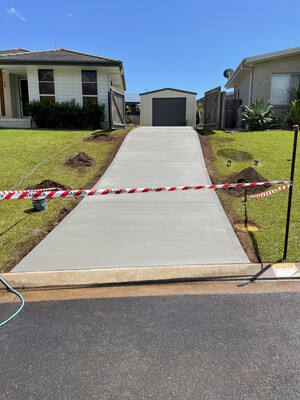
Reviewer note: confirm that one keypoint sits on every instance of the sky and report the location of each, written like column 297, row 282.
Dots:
column 185, row 45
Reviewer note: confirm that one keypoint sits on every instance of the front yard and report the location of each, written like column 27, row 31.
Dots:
column 272, row 149
column 21, row 228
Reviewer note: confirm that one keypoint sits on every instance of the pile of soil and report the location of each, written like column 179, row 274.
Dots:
column 100, row 137
column 80, row 159
column 247, row 175
column 49, row 183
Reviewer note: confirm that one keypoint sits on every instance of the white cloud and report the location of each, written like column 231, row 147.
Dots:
column 14, row 11
column 70, row 15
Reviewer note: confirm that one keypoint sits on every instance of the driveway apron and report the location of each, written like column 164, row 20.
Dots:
column 148, row 229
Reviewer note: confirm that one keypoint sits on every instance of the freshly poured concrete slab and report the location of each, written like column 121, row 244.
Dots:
column 149, row 229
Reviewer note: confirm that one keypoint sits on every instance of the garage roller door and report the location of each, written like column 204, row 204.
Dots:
column 169, row 111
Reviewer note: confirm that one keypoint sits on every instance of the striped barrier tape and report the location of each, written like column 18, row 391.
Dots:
column 28, row 190
column 269, row 192
column 38, row 194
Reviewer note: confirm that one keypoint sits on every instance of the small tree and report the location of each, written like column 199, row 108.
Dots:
column 259, row 115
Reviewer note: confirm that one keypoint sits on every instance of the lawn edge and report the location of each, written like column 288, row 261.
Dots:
column 52, row 224
column 224, row 199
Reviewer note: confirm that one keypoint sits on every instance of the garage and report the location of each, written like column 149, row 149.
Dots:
column 168, row 107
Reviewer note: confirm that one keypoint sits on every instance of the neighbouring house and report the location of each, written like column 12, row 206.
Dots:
column 59, row 75
column 271, row 76
column 168, row 107
column 133, row 101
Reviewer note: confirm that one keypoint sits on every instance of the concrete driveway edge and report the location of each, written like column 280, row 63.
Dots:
column 92, row 277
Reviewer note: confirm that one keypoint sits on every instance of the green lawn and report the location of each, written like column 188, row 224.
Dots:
column 20, row 152
column 271, row 148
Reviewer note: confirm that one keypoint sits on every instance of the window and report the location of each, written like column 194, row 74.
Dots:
column 46, row 84
column 89, row 86
column 283, row 88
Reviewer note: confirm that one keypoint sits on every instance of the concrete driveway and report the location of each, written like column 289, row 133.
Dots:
column 142, row 230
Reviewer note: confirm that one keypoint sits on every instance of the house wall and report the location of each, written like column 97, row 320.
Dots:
column 146, row 106
column 262, row 73
column 68, row 85
column 244, row 86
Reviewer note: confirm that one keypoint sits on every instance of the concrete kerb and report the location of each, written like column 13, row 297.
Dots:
column 97, row 277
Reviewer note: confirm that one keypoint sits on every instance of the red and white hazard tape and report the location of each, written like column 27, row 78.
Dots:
column 82, row 193
column 269, row 192
column 28, row 190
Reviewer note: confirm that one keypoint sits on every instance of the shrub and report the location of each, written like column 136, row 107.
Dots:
column 66, row 115
column 292, row 117
column 93, row 115
column 258, row 115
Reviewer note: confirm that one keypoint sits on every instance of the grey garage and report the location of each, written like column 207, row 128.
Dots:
column 168, row 107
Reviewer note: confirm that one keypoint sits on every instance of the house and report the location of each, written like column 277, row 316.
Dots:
column 59, row 75
column 168, row 107
column 133, row 101
column 271, row 76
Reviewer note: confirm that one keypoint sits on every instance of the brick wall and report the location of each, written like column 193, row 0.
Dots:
column 262, row 74
column 263, row 71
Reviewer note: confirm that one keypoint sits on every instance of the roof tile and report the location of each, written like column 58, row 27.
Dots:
column 56, row 56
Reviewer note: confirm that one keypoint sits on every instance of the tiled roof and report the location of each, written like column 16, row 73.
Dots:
column 12, row 51
column 57, row 56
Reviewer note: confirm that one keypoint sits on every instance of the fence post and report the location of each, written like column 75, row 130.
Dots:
column 296, row 129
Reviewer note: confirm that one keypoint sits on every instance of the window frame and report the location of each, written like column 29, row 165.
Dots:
column 89, row 97
column 46, row 96
column 289, row 95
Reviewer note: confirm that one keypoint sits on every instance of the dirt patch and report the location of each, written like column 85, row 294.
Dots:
column 49, row 183
column 236, row 155
column 208, row 155
column 247, row 175
column 99, row 137
column 80, row 159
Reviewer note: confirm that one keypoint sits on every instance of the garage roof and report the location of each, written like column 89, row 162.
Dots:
column 161, row 90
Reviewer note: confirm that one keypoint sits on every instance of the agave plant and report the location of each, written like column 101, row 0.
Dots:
column 259, row 115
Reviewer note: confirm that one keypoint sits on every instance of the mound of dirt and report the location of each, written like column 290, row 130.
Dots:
column 49, row 183
column 100, row 137
column 247, row 175
column 80, row 159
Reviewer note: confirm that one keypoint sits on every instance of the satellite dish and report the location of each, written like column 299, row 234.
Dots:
column 228, row 72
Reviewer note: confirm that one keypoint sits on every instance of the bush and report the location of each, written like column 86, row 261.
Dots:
column 66, row 115
column 259, row 115
column 292, row 117
column 93, row 115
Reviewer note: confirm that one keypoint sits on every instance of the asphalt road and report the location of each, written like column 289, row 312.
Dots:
column 205, row 346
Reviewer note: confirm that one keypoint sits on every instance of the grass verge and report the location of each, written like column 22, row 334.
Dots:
column 272, row 149
column 21, row 227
